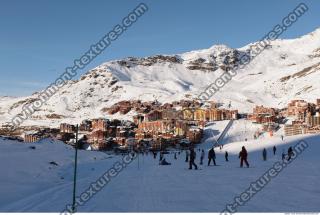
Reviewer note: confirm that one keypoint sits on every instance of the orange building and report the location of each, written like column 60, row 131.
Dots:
column 99, row 124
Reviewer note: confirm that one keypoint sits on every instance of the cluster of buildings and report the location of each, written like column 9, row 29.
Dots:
column 305, row 117
column 158, row 125
column 154, row 123
column 269, row 118
column 35, row 135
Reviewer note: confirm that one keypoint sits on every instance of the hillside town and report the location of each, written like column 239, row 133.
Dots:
column 156, row 126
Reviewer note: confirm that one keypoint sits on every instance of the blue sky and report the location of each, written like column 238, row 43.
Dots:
column 39, row 38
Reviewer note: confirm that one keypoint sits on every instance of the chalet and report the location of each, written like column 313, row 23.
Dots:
column 141, row 134
column 181, row 127
column 200, row 115
column 34, row 136
column 122, row 134
column 194, row 135
column 313, row 121
column 156, row 128
column 137, row 119
column 299, row 108
column 31, row 137
column 67, row 128
column 188, row 114
column 153, row 115
column 111, row 131
column 294, row 129
column 313, row 130
column 99, row 124
column 98, row 139
column 171, row 114
column 262, row 115
column 167, row 106
column 86, row 125
column 264, row 110
column 215, row 114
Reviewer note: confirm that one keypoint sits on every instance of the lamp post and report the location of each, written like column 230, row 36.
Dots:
column 75, row 173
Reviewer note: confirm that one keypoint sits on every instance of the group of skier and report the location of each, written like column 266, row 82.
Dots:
column 284, row 156
column 211, row 157
column 190, row 156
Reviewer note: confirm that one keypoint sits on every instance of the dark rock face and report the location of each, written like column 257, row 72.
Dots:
column 149, row 61
column 225, row 60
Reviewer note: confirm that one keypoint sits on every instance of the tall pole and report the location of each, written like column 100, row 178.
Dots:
column 75, row 172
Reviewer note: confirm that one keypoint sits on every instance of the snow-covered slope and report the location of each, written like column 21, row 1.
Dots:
column 287, row 69
column 29, row 183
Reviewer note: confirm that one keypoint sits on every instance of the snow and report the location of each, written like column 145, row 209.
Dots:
column 30, row 184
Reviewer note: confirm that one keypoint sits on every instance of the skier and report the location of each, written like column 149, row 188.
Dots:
column 264, row 154
column 202, row 157
column 243, row 155
column 282, row 137
column 164, row 162
column 274, row 150
column 154, row 155
column 226, row 155
column 187, row 155
column 161, row 156
column 192, row 158
column 290, row 153
column 175, row 156
column 212, row 156
column 283, row 155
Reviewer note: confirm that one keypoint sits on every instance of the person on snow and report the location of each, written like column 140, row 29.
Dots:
column 283, row 156
column 154, row 155
column 212, row 156
column 243, row 155
column 175, row 155
column 290, row 153
column 164, row 162
column 274, row 150
column 161, row 157
column 282, row 137
column 202, row 157
column 187, row 155
column 226, row 155
column 192, row 158
column 264, row 154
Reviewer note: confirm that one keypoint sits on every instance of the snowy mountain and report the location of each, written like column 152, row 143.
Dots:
column 286, row 70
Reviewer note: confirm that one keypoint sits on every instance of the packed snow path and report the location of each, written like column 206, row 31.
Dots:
column 225, row 131
column 30, row 184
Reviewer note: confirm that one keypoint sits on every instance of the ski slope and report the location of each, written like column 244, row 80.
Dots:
column 28, row 182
